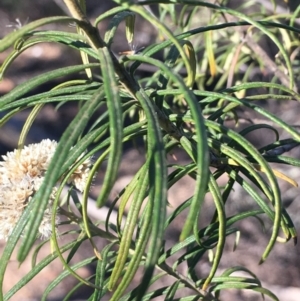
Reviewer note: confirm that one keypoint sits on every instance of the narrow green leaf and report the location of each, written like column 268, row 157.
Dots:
column 11, row 38
column 215, row 191
column 115, row 124
column 40, row 199
column 130, row 224
column 64, row 274
column 29, row 85
column 36, row 269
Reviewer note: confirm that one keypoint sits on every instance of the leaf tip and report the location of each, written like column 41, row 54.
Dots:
column 295, row 239
column 262, row 260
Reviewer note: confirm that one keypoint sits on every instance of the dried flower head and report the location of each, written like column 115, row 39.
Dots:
column 21, row 174
column 80, row 174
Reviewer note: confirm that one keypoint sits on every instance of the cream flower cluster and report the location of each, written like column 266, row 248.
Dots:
column 21, row 175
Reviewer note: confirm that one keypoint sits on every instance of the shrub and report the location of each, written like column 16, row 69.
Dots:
column 187, row 102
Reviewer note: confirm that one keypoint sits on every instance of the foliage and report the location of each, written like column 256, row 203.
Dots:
column 186, row 104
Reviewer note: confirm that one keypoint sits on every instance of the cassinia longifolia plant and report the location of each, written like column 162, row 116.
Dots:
column 182, row 94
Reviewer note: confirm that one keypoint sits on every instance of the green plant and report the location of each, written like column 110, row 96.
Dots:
column 185, row 105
